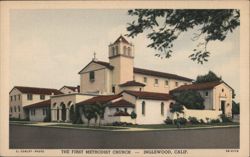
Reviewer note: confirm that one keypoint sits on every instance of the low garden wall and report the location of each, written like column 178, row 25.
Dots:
column 199, row 114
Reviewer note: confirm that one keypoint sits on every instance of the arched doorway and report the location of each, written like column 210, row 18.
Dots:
column 72, row 113
column 57, row 113
column 63, row 111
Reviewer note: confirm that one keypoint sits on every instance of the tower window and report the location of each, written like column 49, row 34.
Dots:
column 92, row 76
column 113, row 51
column 124, row 50
column 129, row 51
column 116, row 50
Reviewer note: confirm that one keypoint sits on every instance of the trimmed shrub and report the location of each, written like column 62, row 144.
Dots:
column 168, row 121
column 215, row 121
column 133, row 115
column 225, row 119
column 193, row 120
column 202, row 121
column 121, row 124
column 181, row 121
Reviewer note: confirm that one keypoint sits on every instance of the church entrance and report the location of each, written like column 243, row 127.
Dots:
column 63, row 112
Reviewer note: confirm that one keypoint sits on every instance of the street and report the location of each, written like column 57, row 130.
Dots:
column 31, row 137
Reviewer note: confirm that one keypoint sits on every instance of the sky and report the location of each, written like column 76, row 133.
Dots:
column 49, row 47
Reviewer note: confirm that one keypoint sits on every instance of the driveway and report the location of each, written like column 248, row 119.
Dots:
column 34, row 137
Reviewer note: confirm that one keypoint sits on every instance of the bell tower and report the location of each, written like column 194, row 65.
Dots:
column 121, row 56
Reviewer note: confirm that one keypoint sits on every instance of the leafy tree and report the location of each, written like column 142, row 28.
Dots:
column 77, row 116
column 190, row 99
column 176, row 108
column 48, row 115
column 235, row 108
column 163, row 27
column 89, row 112
column 100, row 111
column 209, row 77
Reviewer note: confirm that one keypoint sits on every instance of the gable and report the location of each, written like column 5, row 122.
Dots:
column 92, row 66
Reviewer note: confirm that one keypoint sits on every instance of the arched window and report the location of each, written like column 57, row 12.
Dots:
column 162, row 108
column 116, row 50
column 124, row 50
column 113, row 51
column 129, row 51
column 143, row 108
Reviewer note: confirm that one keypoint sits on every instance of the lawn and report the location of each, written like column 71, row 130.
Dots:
column 21, row 122
column 164, row 126
column 88, row 127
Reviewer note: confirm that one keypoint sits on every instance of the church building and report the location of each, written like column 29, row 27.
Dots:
column 124, row 89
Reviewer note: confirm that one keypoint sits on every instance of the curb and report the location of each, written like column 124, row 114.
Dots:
column 132, row 129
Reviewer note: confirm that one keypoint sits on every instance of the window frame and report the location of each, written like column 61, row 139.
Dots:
column 162, row 108
column 166, row 83
column 92, row 76
column 29, row 96
column 143, row 108
column 156, row 82
column 176, row 84
column 42, row 97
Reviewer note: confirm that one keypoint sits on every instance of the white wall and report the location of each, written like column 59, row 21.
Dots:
column 161, row 87
column 23, row 102
column 152, row 111
column 199, row 114
column 38, row 117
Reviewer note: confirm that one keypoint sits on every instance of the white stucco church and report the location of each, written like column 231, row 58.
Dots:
column 125, row 88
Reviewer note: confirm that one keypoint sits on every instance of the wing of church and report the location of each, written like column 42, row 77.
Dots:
column 123, row 89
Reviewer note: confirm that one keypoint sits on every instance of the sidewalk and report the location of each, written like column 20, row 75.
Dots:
column 118, row 128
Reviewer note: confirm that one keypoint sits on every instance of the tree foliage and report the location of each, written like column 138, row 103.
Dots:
column 190, row 99
column 176, row 107
column 209, row 77
column 164, row 26
column 235, row 108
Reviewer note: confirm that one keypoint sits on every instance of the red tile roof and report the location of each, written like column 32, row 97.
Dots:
column 45, row 103
column 160, row 74
column 36, row 90
column 106, row 64
column 149, row 95
column 99, row 99
column 131, row 83
column 121, row 39
column 145, row 72
column 122, row 103
column 197, row 86
column 72, row 88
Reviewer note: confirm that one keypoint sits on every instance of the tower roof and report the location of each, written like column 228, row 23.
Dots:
column 121, row 39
